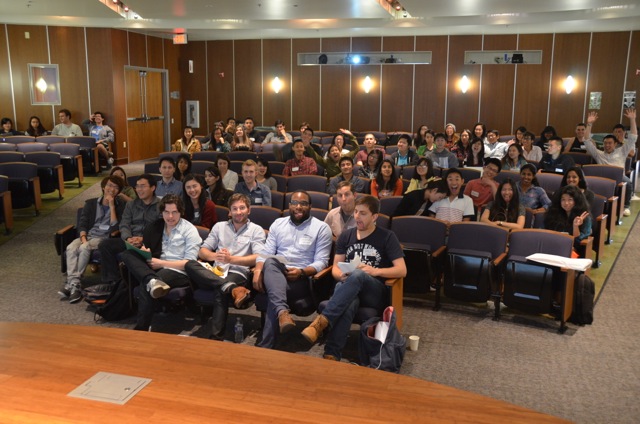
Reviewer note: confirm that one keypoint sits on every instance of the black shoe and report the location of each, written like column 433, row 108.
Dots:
column 75, row 296
column 64, row 292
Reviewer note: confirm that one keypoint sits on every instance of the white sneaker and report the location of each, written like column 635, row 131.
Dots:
column 157, row 288
column 110, row 160
column 634, row 198
column 627, row 212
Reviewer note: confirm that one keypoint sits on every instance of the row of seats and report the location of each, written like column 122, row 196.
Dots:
column 472, row 263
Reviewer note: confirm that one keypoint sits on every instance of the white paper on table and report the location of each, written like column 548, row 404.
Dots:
column 349, row 267
column 579, row 264
column 110, row 387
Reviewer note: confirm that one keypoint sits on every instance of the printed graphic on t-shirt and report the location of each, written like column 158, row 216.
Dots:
column 368, row 254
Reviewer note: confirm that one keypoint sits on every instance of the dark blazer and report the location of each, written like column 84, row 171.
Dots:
column 90, row 209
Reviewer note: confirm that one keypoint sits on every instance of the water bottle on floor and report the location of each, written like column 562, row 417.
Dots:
column 238, row 331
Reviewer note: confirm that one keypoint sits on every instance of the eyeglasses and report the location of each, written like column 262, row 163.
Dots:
column 299, row 203
column 489, row 168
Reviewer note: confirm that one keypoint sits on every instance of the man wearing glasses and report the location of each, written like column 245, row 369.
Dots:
column 302, row 244
column 137, row 215
column 100, row 216
column 482, row 190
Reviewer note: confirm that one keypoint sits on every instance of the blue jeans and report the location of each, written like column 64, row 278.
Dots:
column 359, row 289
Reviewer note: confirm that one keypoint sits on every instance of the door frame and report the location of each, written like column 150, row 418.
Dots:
column 165, row 100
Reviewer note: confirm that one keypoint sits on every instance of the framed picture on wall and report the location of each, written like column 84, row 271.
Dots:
column 44, row 84
column 193, row 113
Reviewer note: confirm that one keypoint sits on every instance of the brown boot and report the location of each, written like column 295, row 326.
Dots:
column 285, row 321
column 314, row 330
column 240, row 297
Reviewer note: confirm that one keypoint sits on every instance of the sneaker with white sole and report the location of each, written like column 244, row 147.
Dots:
column 75, row 296
column 627, row 212
column 110, row 161
column 157, row 288
column 634, row 198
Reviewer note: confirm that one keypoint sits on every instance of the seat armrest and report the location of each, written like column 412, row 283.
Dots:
column 439, row 252
column 322, row 274
column 499, row 259
column 65, row 229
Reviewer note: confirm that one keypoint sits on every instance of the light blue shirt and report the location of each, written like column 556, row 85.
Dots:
column 307, row 244
column 248, row 240
column 183, row 242
column 174, row 187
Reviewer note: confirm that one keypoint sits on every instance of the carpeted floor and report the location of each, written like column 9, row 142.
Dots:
column 589, row 375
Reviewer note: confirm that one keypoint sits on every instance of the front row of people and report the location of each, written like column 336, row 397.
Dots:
column 296, row 248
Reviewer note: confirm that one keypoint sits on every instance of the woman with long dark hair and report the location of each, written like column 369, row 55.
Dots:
column 480, row 131
column 199, row 209
column 215, row 188
column 514, row 159
column 532, row 196
column 127, row 193
column 546, row 134
column 569, row 213
column 419, row 141
column 241, row 141
column 372, row 167
column 187, row 143
column 183, row 166
column 422, row 173
column 475, row 157
column 263, row 174
column 575, row 177
column 462, row 148
column 505, row 210
column 36, row 129
column 387, row 182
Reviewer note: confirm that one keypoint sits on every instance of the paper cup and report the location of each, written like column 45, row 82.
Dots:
column 413, row 343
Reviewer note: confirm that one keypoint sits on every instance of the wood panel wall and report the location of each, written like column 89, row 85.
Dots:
column 232, row 78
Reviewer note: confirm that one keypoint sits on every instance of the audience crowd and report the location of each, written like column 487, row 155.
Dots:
column 452, row 176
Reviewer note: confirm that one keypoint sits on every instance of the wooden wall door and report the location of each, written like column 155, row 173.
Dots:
column 144, row 90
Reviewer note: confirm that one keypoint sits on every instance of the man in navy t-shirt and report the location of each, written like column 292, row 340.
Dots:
column 381, row 257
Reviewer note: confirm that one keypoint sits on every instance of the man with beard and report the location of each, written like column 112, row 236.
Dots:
column 230, row 249
column 305, row 244
column 381, row 258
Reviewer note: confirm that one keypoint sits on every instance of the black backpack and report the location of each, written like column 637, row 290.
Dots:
column 118, row 305
column 583, row 295
column 387, row 356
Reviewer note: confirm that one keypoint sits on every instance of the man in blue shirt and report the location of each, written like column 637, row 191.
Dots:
column 168, row 184
column 304, row 244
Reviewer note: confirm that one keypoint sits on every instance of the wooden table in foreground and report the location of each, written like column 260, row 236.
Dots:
column 199, row 380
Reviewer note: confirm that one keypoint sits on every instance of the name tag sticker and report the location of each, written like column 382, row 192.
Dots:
column 306, row 241
column 295, row 168
column 559, row 170
column 104, row 227
column 475, row 193
column 258, row 199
